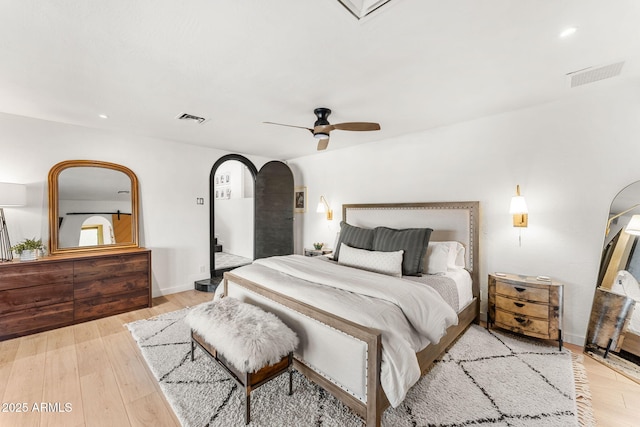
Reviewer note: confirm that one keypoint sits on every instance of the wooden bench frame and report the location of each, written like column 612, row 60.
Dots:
column 248, row 380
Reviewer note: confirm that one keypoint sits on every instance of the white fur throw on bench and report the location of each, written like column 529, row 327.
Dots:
column 247, row 336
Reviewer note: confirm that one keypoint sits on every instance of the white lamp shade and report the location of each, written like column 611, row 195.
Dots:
column 12, row 194
column 321, row 208
column 634, row 226
column 518, row 205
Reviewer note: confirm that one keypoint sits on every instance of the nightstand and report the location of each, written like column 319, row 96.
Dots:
column 317, row 252
column 526, row 305
column 608, row 322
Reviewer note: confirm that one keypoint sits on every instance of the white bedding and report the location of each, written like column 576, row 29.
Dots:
column 410, row 315
column 462, row 280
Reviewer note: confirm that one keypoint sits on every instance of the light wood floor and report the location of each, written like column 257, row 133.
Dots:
column 616, row 399
column 97, row 371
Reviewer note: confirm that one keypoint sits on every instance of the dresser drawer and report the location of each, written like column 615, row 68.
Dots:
column 35, row 296
column 26, row 274
column 94, row 308
column 522, row 307
column 522, row 324
column 103, row 277
column 35, row 320
column 524, row 292
column 100, row 268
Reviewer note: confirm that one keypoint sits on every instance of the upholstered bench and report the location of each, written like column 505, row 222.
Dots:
column 250, row 344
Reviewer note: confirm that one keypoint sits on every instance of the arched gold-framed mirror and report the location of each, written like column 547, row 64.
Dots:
column 93, row 206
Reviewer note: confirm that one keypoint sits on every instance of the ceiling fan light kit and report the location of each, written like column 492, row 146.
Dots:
column 322, row 127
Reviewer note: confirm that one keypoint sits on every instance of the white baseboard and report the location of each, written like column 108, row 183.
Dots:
column 180, row 288
column 574, row 339
column 172, row 290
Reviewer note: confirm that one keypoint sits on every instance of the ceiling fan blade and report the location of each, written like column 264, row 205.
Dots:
column 357, row 126
column 322, row 144
column 291, row 126
column 323, row 129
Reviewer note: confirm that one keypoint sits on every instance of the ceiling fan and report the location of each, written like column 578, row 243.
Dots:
column 321, row 128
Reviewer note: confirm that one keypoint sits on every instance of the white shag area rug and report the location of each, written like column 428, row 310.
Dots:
column 487, row 378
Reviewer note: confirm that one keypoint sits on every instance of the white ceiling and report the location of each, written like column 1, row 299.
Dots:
column 411, row 66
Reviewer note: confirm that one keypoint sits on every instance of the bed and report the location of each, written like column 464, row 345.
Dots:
column 345, row 356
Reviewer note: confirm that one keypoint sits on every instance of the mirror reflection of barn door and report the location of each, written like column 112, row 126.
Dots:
column 274, row 210
column 121, row 227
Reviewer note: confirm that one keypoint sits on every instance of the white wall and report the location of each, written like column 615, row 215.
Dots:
column 570, row 158
column 171, row 177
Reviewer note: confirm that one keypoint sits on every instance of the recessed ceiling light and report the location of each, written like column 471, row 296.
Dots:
column 103, row 116
column 568, row 32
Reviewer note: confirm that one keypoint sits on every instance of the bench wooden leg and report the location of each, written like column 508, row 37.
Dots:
column 246, row 380
column 247, row 405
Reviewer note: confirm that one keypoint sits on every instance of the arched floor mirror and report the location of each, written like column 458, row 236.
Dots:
column 613, row 333
column 232, row 194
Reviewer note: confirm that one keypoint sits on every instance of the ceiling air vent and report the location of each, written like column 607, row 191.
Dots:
column 191, row 118
column 590, row 75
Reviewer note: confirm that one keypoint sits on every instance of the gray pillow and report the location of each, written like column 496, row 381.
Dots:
column 356, row 237
column 413, row 241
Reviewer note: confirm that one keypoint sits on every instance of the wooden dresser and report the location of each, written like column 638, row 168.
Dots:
column 526, row 305
column 61, row 290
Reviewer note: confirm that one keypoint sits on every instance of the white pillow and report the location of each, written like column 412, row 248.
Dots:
column 455, row 256
column 437, row 259
column 389, row 263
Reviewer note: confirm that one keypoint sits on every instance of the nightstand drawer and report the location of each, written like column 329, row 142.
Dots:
column 522, row 307
column 522, row 292
column 522, row 324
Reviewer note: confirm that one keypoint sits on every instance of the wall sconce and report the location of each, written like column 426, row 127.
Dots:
column 323, row 207
column 519, row 209
column 631, row 228
column 11, row 195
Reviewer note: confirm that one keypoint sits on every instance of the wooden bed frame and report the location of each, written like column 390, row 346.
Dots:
column 464, row 216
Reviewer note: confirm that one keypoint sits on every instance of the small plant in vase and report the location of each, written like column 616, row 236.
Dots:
column 28, row 249
column 318, row 246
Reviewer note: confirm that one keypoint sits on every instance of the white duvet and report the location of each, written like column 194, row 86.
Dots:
column 410, row 315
